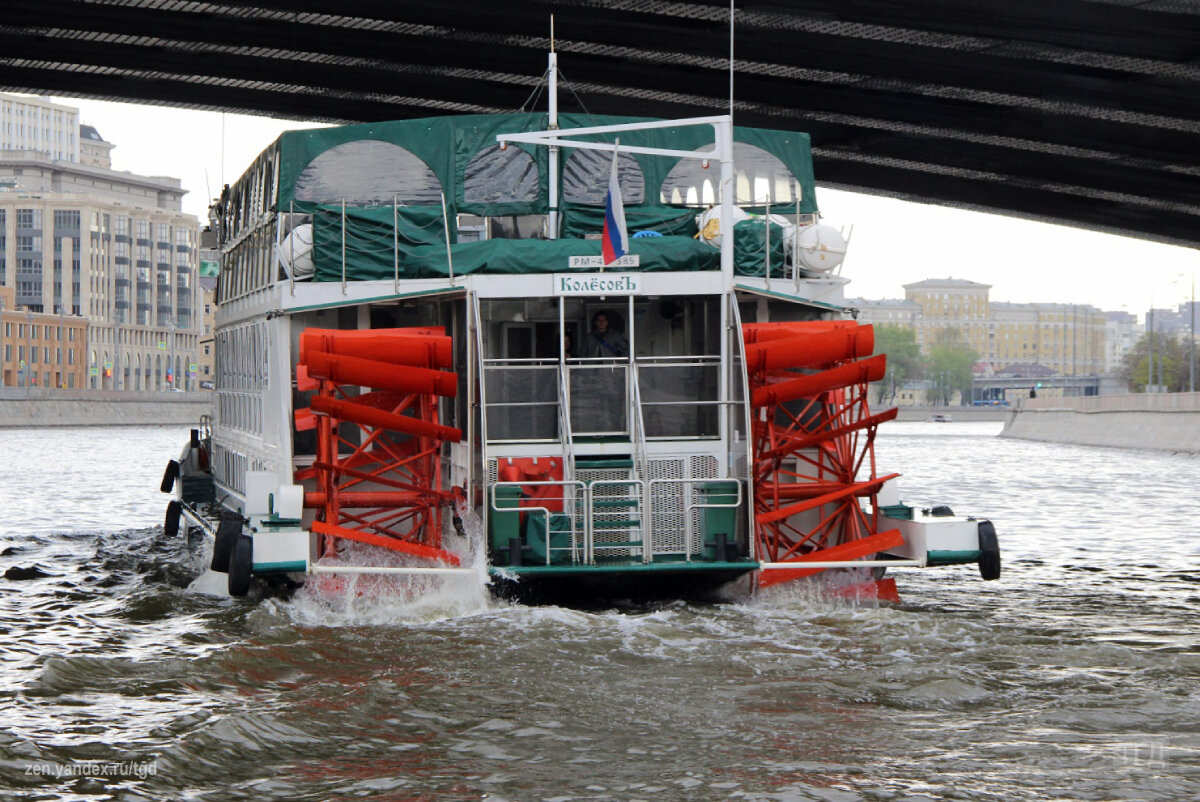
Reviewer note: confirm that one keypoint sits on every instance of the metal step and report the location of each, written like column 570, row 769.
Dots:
column 602, row 462
column 604, row 526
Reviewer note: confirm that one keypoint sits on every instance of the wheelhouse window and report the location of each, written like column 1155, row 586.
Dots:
column 758, row 176
column 501, row 175
column 586, row 175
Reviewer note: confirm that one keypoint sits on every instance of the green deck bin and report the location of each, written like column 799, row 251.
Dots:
column 503, row 525
column 718, row 520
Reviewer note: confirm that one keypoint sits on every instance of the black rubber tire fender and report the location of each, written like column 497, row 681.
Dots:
column 171, row 521
column 169, row 477
column 227, row 533
column 989, row 551
column 241, row 565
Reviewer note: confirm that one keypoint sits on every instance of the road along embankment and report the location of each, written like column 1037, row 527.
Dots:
column 20, row 406
column 1166, row 421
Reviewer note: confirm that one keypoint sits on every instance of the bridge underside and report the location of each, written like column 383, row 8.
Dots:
column 1082, row 112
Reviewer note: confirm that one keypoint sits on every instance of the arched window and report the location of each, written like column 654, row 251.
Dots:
column 500, row 175
column 586, row 174
column 368, row 171
column 759, row 177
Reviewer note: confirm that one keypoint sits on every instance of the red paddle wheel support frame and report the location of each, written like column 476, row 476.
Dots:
column 378, row 468
column 814, row 444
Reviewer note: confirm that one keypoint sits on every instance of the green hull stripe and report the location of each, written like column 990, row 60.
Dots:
column 294, row 565
column 953, row 557
column 741, row 567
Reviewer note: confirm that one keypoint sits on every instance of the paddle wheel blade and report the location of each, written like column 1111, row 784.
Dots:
column 378, row 469
column 814, row 444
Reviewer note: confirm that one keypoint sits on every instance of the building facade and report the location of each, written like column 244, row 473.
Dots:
column 1070, row 339
column 35, row 124
column 40, row 350
column 116, row 249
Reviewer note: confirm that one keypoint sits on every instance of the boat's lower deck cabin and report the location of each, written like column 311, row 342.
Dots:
column 606, row 431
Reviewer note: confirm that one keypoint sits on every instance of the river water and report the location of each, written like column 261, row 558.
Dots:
column 1076, row 676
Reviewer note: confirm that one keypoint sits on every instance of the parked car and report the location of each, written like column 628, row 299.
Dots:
column 206, row 385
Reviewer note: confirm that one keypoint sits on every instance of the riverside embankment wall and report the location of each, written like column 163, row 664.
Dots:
column 32, row 406
column 1167, row 421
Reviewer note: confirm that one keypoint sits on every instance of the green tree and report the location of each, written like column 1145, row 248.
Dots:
column 1170, row 360
column 904, row 362
column 951, row 365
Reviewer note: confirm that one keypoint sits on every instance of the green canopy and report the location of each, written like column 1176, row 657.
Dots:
column 381, row 194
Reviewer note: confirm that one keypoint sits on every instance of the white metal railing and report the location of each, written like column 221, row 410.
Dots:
column 637, row 427
column 681, row 417
column 689, row 490
column 614, row 515
column 574, row 502
column 522, row 388
column 628, row 519
column 564, row 425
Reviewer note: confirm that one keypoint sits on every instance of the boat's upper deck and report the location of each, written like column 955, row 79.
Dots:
column 428, row 199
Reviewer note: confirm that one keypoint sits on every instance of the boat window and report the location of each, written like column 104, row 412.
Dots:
column 678, row 347
column 586, row 174
column 499, row 175
column 368, row 171
column 758, row 176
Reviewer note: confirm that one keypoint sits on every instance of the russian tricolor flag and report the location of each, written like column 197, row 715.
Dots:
column 615, row 242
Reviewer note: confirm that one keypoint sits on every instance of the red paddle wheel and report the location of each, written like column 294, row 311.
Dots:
column 814, row 444
column 378, row 470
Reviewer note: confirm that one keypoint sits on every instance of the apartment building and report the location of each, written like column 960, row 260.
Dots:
column 79, row 239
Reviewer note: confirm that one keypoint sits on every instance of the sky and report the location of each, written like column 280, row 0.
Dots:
column 893, row 242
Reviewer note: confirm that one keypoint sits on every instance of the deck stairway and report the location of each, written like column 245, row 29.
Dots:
column 617, row 507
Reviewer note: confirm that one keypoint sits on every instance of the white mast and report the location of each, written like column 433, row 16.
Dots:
column 553, row 166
